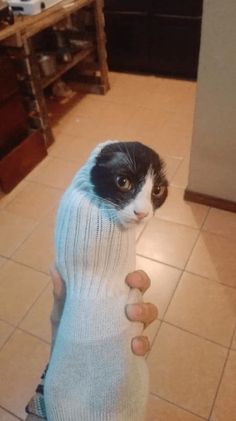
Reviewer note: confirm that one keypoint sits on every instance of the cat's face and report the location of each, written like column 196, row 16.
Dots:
column 130, row 177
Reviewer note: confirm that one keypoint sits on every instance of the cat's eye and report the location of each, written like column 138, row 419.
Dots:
column 158, row 191
column 123, row 183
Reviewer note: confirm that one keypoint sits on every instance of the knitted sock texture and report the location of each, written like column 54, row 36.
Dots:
column 93, row 374
column 36, row 405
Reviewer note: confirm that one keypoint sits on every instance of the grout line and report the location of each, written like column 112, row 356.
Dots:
column 181, row 160
column 34, row 336
column 11, row 259
column 222, row 374
column 204, row 220
column 11, row 413
column 215, row 234
column 8, row 338
column 7, row 323
column 154, row 338
column 36, row 225
column 44, row 185
column 219, row 384
column 160, row 262
column 170, row 221
column 17, row 325
column 195, row 334
column 191, row 250
column 172, row 296
column 141, row 233
column 210, row 279
column 177, row 406
column 30, row 308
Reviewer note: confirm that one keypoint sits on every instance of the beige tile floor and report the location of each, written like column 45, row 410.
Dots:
column 189, row 251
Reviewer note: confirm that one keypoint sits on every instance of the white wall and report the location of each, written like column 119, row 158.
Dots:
column 213, row 153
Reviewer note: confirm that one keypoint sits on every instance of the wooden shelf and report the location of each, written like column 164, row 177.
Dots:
column 63, row 68
column 25, row 38
column 27, row 26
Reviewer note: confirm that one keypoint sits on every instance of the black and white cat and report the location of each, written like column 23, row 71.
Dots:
column 131, row 176
column 93, row 374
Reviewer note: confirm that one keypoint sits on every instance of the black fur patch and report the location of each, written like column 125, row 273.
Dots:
column 128, row 159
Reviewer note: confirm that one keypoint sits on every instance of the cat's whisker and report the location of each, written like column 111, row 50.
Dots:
column 111, row 204
column 126, row 156
column 129, row 158
column 134, row 160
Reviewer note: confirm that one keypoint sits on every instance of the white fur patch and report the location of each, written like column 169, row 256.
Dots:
column 142, row 203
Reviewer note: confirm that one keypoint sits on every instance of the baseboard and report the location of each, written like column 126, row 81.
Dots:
column 211, row 201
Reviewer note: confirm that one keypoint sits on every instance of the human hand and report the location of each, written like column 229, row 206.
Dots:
column 145, row 313
column 57, row 283
column 141, row 312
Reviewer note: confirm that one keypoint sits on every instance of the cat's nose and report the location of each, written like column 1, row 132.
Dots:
column 141, row 215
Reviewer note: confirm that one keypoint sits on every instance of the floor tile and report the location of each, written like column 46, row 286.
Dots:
column 171, row 95
column 147, row 122
column 113, row 76
column 19, row 288
column 90, row 105
column 6, row 416
column 174, row 141
column 151, row 331
column 214, row 257
column 72, row 126
column 221, row 222
column 167, row 242
column 163, row 283
column 14, row 229
column 176, row 209
column 2, row 260
column 114, row 113
column 7, row 198
column 5, row 331
column 61, row 137
column 233, row 346
column 171, row 166
column 225, row 406
column 83, row 128
column 108, row 118
column 126, row 92
column 73, row 150
column 185, row 369
column 205, row 308
column 22, row 361
column 38, row 250
column 139, row 229
column 38, row 169
column 58, row 173
column 180, row 178
column 37, row 320
column 160, row 410
column 111, row 131
column 34, row 201
column 56, row 129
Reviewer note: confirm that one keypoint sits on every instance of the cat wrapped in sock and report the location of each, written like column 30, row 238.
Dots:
column 93, row 374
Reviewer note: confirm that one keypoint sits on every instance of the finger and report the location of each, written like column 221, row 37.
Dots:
column 138, row 279
column 145, row 313
column 58, row 285
column 140, row 345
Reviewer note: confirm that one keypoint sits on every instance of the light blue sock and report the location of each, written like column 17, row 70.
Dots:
column 93, row 374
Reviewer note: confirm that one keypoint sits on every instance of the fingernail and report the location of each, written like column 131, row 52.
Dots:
column 135, row 311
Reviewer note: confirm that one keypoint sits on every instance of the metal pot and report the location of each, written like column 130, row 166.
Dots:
column 47, row 64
